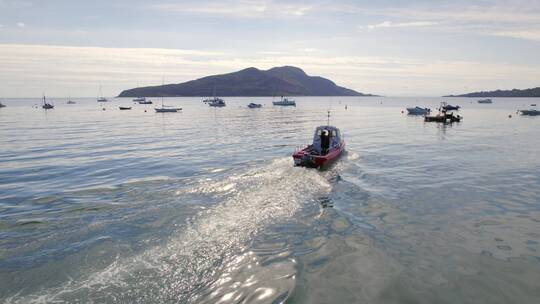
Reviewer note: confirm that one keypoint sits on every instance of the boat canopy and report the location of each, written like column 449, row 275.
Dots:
column 333, row 132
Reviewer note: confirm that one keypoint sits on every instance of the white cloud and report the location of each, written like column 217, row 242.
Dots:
column 21, row 24
column 389, row 24
column 235, row 8
column 533, row 35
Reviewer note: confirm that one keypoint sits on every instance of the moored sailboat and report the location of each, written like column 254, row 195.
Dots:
column 46, row 105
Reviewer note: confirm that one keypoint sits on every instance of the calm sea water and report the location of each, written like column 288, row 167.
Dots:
column 204, row 206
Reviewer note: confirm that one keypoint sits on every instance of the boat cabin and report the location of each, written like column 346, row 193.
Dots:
column 325, row 139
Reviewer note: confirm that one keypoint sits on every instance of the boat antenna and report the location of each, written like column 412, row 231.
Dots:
column 328, row 122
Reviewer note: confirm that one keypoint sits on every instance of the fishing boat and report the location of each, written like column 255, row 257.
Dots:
column 284, row 102
column 254, row 105
column 328, row 144
column 487, row 100
column 124, row 108
column 216, row 102
column 139, row 99
column 418, row 111
column 531, row 112
column 46, row 105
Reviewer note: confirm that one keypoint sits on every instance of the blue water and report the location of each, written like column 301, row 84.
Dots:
column 204, row 206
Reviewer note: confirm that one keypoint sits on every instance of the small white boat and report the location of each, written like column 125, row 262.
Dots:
column 216, row 102
column 487, row 100
column 531, row 112
column 418, row 111
column 284, row 102
column 254, row 105
column 101, row 99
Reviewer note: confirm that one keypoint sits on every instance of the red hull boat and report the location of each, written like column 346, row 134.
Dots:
column 327, row 146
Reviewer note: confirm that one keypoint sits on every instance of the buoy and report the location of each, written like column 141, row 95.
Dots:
column 510, row 116
column 144, row 111
column 401, row 111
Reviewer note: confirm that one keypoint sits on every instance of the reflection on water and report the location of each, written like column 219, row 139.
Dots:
column 205, row 206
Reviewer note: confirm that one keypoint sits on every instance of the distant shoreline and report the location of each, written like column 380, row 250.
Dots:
column 514, row 93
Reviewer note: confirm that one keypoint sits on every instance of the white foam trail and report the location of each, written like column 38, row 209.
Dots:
column 191, row 258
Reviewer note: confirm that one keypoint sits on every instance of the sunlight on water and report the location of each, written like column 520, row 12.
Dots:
column 205, row 206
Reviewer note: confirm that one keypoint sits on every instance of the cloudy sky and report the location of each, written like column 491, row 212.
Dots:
column 394, row 48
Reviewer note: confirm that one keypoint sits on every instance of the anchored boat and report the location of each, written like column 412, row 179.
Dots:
column 487, row 100
column 254, row 105
column 418, row 111
column 46, row 105
column 284, row 102
column 216, row 102
column 328, row 144
column 124, row 108
column 443, row 115
column 531, row 112
column 448, row 107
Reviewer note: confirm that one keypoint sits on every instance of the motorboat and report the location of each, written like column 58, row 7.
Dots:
column 448, row 107
column 533, row 105
column 139, row 99
column 102, row 99
column 124, row 108
column 70, row 102
column 418, row 111
column 487, row 100
column 216, row 102
column 2, row 105
column 46, row 105
column 254, row 105
column 327, row 146
column 531, row 112
column 284, row 102
column 145, row 101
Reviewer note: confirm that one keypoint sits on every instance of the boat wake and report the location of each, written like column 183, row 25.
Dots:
column 208, row 249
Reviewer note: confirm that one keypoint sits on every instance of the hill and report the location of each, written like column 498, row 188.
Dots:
column 534, row 92
column 286, row 81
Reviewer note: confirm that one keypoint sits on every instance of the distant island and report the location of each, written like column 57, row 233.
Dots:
column 534, row 92
column 278, row 81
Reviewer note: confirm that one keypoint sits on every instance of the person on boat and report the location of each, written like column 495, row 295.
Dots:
column 325, row 142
